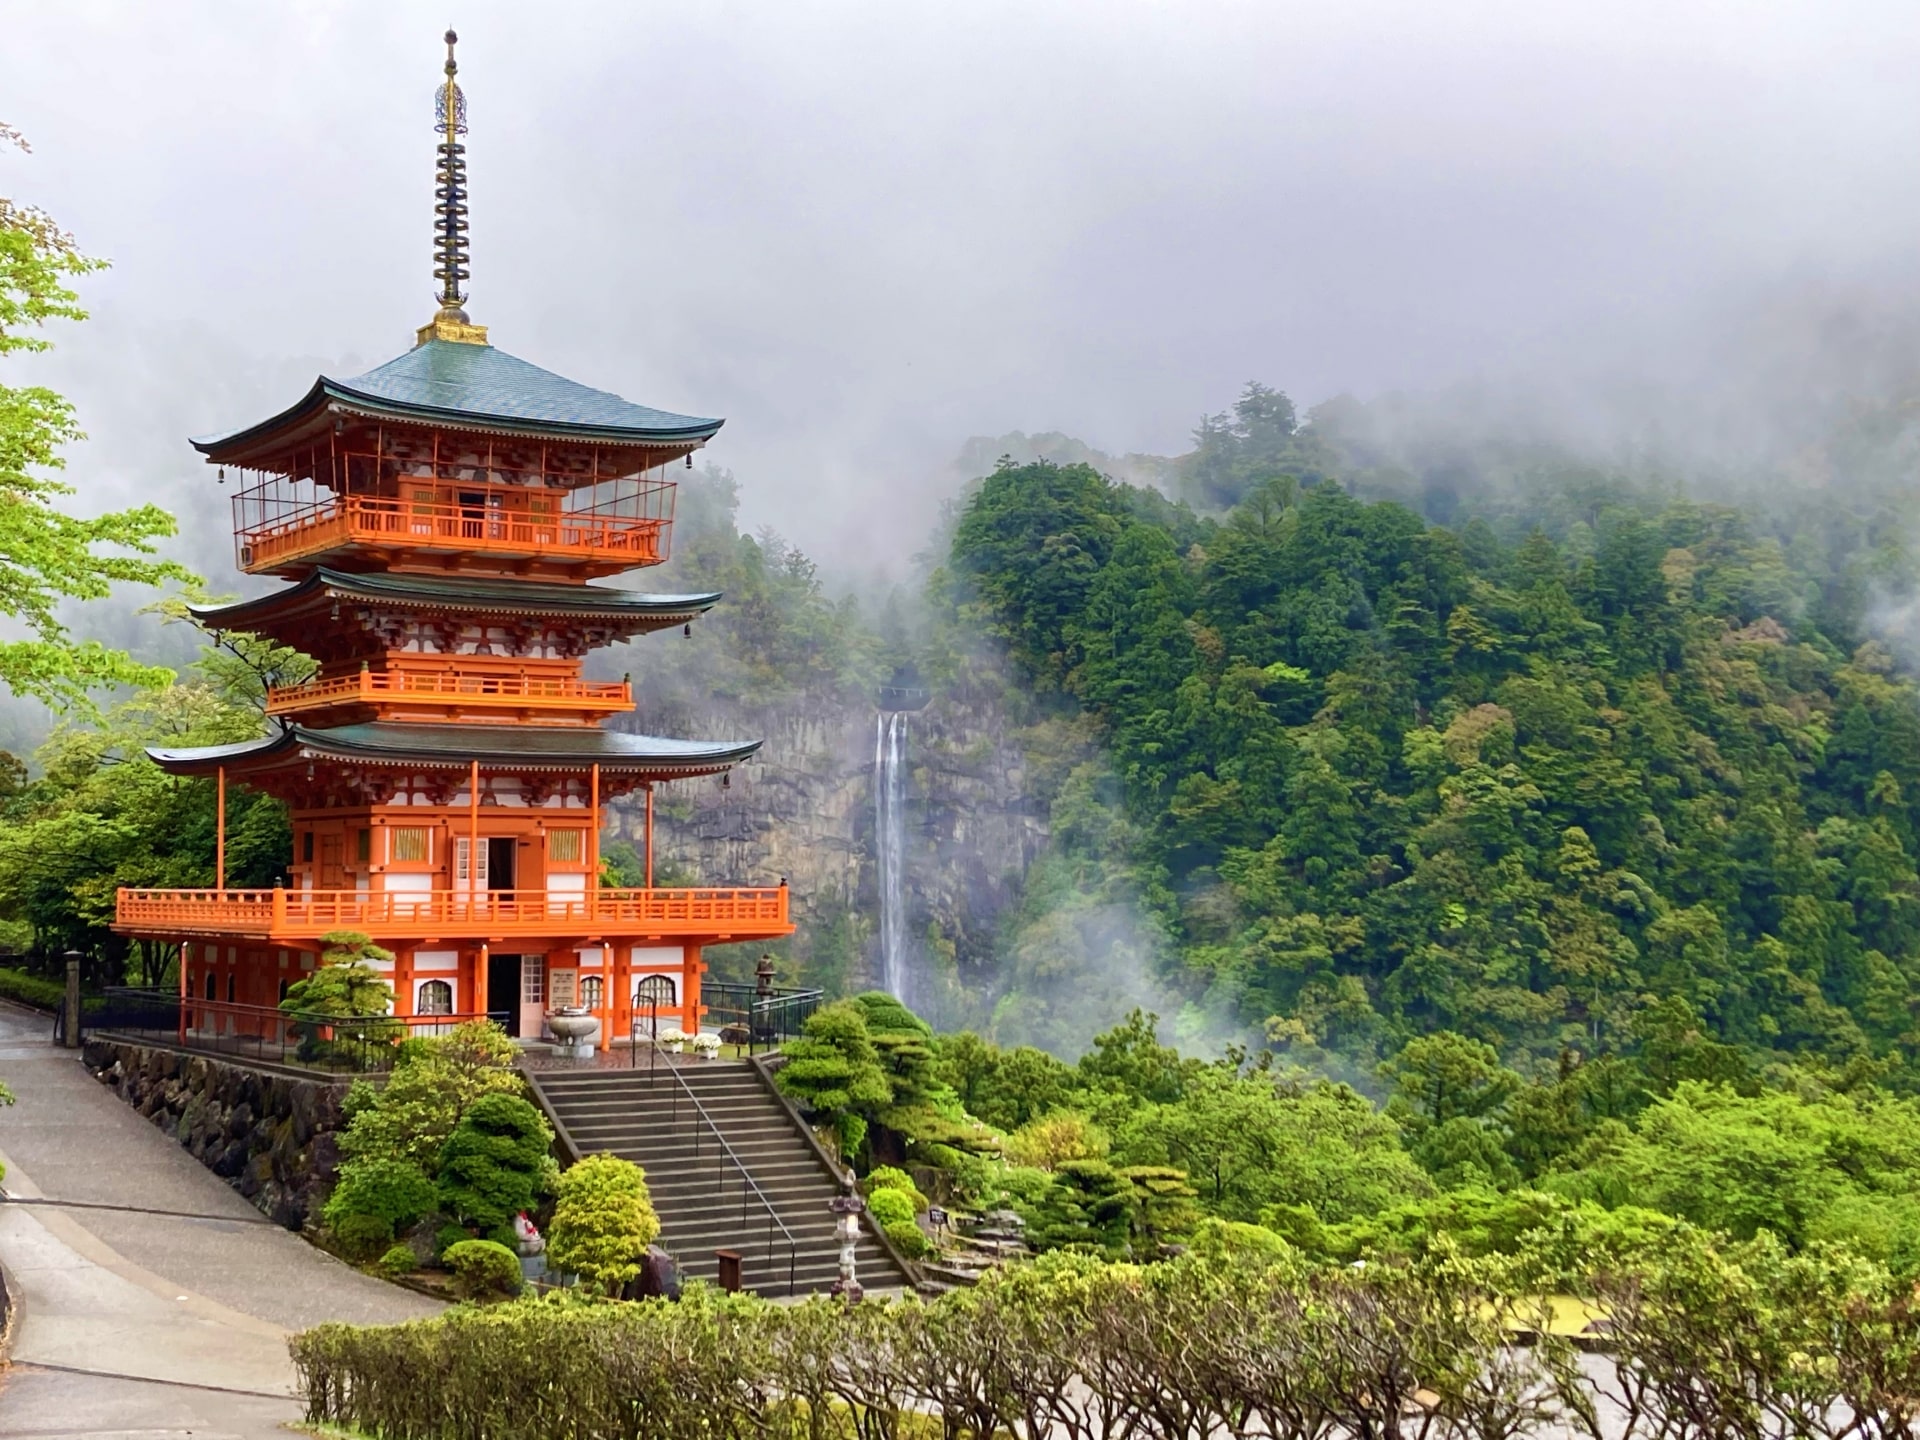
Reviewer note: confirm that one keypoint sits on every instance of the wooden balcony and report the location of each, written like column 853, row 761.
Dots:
column 495, row 525
column 447, row 696
column 281, row 916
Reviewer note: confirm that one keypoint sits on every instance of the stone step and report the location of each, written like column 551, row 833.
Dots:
column 696, row 1192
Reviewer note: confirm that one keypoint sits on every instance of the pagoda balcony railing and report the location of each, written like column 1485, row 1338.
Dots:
column 446, row 523
column 507, row 692
column 283, row 914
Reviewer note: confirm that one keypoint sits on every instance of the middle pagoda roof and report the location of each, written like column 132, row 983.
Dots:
column 313, row 599
column 462, row 385
column 635, row 758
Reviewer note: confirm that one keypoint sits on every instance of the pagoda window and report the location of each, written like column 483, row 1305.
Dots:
column 566, row 847
column 306, row 846
column 435, row 998
column 411, row 844
column 362, row 846
column 656, row 992
column 212, row 986
column 592, row 991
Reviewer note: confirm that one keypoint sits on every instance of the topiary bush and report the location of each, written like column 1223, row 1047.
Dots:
column 603, row 1221
column 495, row 1162
column 445, row 1238
column 892, row 1177
column 907, row 1238
column 890, row 1208
column 482, row 1269
column 391, row 1190
column 399, row 1260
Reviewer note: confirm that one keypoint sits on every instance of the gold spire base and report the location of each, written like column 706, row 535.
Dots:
column 452, row 325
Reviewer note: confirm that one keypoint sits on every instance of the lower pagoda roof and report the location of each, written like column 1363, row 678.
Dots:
column 416, row 746
column 632, row 612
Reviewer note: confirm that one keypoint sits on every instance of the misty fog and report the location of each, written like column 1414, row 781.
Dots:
column 867, row 233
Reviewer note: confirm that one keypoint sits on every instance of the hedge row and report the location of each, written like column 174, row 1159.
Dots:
column 34, row 990
column 1222, row 1342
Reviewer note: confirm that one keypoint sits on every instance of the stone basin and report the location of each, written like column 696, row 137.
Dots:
column 573, row 1027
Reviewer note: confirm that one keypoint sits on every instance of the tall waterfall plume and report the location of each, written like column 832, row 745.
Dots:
column 890, row 826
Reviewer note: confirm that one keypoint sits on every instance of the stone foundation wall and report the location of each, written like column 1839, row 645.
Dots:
column 272, row 1137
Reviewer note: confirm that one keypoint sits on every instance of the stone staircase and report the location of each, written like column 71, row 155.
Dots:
column 697, row 1191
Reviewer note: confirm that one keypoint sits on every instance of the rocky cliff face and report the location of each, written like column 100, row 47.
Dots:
column 804, row 809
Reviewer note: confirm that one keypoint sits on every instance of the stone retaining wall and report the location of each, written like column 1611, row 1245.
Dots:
column 274, row 1138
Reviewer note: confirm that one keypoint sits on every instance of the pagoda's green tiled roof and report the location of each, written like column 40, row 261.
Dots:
column 634, row 610
column 443, row 382
column 495, row 747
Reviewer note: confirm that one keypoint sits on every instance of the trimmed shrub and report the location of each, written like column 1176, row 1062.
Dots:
column 361, row 1237
column 890, row 1208
column 907, row 1238
column 32, row 990
column 603, row 1221
column 1053, row 1140
column 445, row 1238
column 399, row 1260
column 892, row 1177
column 482, row 1268
column 495, row 1162
column 393, row 1190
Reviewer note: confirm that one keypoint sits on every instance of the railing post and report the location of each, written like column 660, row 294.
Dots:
column 279, row 909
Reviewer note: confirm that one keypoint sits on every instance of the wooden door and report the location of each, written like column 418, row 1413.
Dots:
column 333, row 873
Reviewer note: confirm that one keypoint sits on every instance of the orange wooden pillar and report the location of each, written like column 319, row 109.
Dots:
column 185, row 946
column 649, row 837
column 691, row 967
column 479, row 991
column 220, row 830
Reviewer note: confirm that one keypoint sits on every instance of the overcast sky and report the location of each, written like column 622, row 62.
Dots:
column 864, row 232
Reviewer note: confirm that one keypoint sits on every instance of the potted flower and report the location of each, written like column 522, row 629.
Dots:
column 673, row 1040
column 706, row 1045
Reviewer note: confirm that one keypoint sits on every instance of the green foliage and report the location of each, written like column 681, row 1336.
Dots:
column 48, row 558
column 345, row 984
column 908, row 1238
column 102, row 815
column 834, row 1069
column 32, row 990
column 603, row 1222
column 890, row 1207
column 1005, row 1088
column 361, row 1236
column 495, row 1162
column 891, row 1177
column 1247, row 1142
column 395, row 1192
column 1087, row 1205
column 1052, row 1140
column 433, row 1081
column 483, row 1269
column 399, row 1260
column 1613, row 774
column 1832, row 1167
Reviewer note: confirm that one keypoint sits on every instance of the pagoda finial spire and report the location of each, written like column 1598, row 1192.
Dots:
column 450, row 241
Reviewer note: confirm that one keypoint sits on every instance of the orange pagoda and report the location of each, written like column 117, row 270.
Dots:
column 442, row 518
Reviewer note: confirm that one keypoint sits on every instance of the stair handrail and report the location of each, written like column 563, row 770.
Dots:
column 747, row 1181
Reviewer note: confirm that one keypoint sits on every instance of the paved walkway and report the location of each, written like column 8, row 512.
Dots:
column 137, row 1323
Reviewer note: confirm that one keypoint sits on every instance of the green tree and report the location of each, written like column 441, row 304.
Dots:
column 603, row 1222
column 496, row 1162
column 834, row 1070
column 48, row 557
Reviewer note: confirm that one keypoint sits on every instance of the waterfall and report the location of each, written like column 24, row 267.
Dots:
column 890, row 835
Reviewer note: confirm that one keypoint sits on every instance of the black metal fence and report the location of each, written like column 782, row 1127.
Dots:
column 760, row 1019
column 261, row 1033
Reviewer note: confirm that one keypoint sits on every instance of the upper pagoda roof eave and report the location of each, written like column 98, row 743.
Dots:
column 477, row 388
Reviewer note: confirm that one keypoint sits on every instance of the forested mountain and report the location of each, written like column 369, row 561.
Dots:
column 1590, row 768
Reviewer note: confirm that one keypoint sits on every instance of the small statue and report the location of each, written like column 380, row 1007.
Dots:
column 532, row 1242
